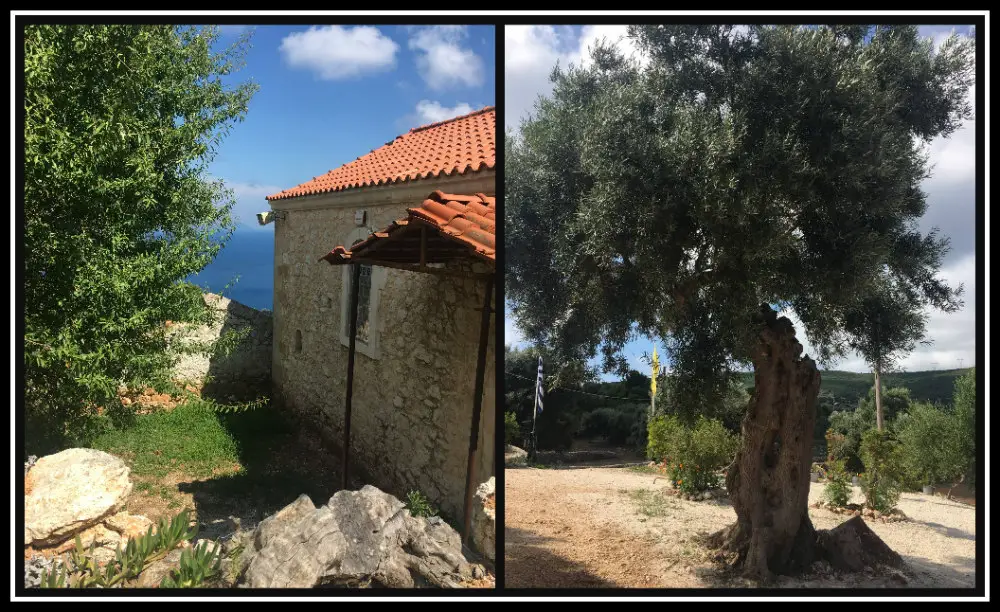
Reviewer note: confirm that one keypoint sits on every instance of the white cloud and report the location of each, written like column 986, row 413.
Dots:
column 433, row 112
column 441, row 59
column 530, row 53
column 250, row 201
column 337, row 52
column 952, row 336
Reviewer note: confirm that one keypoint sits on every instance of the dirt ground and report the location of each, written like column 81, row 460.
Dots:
column 618, row 528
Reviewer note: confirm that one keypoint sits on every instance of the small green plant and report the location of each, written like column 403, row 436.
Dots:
column 838, row 485
column 419, row 505
column 512, row 429
column 197, row 566
column 691, row 456
column 650, row 503
column 82, row 571
column 883, row 461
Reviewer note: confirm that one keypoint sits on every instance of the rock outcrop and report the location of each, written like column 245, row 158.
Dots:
column 71, row 491
column 514, row 456
column 359, row 538
column 484, row 520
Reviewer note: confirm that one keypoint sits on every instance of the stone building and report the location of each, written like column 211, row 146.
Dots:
column 417, row 339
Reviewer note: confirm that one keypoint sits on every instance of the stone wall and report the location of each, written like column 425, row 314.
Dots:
column 413, row 390
column 249, row 364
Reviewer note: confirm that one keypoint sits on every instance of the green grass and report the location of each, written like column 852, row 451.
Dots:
column 189, row 438
column 650, row 503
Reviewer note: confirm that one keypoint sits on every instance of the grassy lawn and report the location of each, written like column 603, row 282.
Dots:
column 218, row 464
column 191, row 438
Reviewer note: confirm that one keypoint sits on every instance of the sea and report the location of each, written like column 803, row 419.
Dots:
column 247, row 262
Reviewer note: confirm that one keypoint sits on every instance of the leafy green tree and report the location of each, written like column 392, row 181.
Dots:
column 931, row 444
column 884, row 326
column 765, row 166
column 561, row 418
column 854, row 423
column 965, row 412
column 120, row 124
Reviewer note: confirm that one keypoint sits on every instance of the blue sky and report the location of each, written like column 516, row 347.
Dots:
column 329, row 94
column 530, row 53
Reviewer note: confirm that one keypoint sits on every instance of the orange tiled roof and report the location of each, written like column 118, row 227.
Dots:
column 462, row 220
column 456, row 146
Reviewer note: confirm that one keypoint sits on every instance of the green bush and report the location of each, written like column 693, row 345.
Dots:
column 620, row 425
column 838, row 484
column 965, row 414
column 853, row 424
column 884, row 472
column 931, row 443
column 692, row 455
column 512, row 429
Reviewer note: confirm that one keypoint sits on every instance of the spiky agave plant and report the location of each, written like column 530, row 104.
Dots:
column 82, row 571
column 198, row 565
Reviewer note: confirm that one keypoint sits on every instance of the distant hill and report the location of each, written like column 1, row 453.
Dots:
column 928, row 386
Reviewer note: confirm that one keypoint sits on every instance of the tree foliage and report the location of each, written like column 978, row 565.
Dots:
column 120, row 124
column 777, row 165
column 965, row 413
column 853, row 424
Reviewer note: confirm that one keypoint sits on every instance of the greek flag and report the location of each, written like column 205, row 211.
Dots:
column 539, row 391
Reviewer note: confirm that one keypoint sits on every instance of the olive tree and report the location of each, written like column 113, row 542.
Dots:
column 738, row 172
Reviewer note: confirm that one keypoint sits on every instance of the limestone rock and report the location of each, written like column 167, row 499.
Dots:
column 153, row 575
column 129, row 525
column 356, row 539
column 514, row 456
column 71, row 491
column 98, row 535
column 484, row 519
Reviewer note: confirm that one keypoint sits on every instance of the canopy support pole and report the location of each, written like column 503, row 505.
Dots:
column 477, row 407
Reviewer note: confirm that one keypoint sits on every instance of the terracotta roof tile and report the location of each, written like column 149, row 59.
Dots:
column 456, row 146
column 468, row 221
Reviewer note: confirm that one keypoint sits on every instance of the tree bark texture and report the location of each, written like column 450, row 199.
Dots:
column 768, row 481
column 878, row 399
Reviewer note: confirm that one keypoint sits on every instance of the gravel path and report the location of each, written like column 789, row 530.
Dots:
column 606, row 527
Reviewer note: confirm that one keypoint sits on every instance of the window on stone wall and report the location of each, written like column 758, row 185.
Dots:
column 298, row 341
column 371, row 279
column 364, row 304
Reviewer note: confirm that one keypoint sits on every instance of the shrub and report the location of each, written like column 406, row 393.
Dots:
column 931, row 445
column 838, row 483
column 418, row 504
column 836, row 447
column 965, row 414
column 692, row 455
column 512, row 429
column 620, row 425
column 883, row 475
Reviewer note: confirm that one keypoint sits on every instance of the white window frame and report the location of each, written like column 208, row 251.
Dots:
column 370, row 348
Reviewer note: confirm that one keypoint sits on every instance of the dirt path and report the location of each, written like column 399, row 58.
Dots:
column 616, row 528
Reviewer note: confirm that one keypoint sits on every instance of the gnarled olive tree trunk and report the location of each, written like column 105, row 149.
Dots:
column 768, row 481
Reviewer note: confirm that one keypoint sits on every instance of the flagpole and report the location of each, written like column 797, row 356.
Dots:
column 534, row 421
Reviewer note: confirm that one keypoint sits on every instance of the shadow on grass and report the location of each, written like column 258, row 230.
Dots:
column 528, row 565
column 279, row 461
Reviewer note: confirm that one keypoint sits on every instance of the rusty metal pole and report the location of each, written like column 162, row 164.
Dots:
column 477, row 407
column 355, row 281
